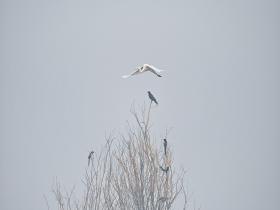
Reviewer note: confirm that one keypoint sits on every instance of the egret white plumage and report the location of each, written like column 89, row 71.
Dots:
column 145, row 68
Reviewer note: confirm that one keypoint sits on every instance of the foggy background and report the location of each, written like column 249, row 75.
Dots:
column 61, row 91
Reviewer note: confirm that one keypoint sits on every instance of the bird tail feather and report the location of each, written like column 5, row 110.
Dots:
column 125, row 76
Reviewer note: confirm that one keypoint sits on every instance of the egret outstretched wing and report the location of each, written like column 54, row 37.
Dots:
column 153, row 69
column 133, row 73
column 144, row 68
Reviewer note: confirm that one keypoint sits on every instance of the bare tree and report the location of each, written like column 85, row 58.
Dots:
column 129, row 173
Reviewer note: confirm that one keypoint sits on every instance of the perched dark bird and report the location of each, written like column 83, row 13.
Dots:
column 164, row 169
column 153, row 99
column 90, row 156
column 165, row 145
column 163, row 199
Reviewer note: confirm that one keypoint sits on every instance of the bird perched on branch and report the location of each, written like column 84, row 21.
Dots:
column 165, row 146
column 164, row 169
column 145, row 68
column 90, row 156
column 153, row 99
column 163, row 199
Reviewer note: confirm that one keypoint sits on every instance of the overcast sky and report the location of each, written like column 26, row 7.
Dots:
column 61, row 90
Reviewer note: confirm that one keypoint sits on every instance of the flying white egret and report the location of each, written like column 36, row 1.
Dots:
column 144, row 68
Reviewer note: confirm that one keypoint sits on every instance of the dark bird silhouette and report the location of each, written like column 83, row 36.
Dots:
column 90, row 156
column 153, row 99
column 163, row 199
column 165, row 146
column 164, row 169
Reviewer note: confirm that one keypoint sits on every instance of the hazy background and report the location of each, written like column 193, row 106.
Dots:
column 61, row 90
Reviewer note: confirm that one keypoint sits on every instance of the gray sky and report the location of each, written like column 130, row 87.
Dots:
column 61, row 90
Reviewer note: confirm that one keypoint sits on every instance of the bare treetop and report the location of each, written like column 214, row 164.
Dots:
column 129, row 173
